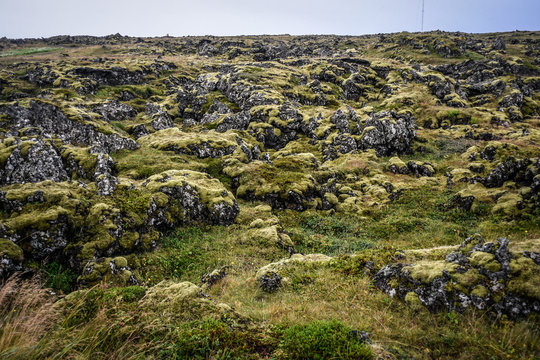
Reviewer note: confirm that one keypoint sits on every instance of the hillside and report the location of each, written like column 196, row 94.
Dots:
column 270, row 197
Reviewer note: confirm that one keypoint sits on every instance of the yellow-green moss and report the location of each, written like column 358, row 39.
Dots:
column 210, row 190
column 177, row 140
column 38, row 220
column 507, row 204
column 427, row 271
column 10, row 250
column 480, row 291
column 485, row 260
column 525, row 278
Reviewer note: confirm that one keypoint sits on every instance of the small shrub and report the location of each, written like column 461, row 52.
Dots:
column 323, row 340
column 213, row 339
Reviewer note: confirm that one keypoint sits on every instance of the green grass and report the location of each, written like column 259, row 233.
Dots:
column 28, row 51
column 59, row 277
column 184, row 254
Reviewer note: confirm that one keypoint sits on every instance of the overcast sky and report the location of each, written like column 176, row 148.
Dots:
column 44, row 18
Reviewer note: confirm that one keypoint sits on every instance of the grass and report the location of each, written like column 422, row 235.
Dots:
column 416, row 219
column 320, row 308
column 60, row 278
column 323, row 340
column 183, row 254
column 354, row 302
column 26, row 312
column 28, row 51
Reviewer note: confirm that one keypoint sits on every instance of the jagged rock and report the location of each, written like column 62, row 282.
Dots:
column 219, row 108
column 11, row 257
column 513, row 99
column 341, row 120
column 197, row 197
column 270, row 282
column 33, row 161
column 112, row 77
column 52, row 121
column 496, row 277
column 238, row 121
column 103, row 175
column 420, row 169
column 498, row 44
column 160, row 119
column 115, row 111
column 42, row 76
column 397, row 166
column 40, row 235
column 461, row 202
column 387, row 132
column 139, row 131
column 505, row 171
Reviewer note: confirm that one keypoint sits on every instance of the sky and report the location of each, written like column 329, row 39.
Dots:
column 45, row 18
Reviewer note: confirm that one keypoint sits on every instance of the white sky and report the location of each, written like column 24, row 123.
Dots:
column 43, row 18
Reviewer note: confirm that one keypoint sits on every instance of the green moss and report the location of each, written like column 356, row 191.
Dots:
column 82, row 157
column 10, row 250
column 129, row 239
column 485, row 260
column 176, row 140
column 465, row 281
column 297, row 259
column 507, row 204
column 413, row 301
column 480, row 291
column 260, row 179
column 210, row 190
column 39, row 220
column 323, row 340
column 427, row 271
column 101, row 270
column 5, row 152
column 525, row 279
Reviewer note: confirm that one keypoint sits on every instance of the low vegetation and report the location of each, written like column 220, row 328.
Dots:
column 273, row 197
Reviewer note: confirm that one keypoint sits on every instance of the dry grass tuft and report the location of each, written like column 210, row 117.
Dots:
column 27, row 312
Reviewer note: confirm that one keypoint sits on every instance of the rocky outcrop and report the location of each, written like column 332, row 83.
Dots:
column 113, row 76
column 160, row 119
column 494, row 276
column 115, row 111
column 192, row 196
column 52, row 122
column 387, row 132
column 32, row 161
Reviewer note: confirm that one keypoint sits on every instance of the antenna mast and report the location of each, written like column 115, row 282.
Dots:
column 422, row 15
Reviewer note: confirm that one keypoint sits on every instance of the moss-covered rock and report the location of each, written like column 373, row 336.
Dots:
column 112, row 271
column 479, row 274
column 210, row 144
column 184, row 300
column 194, row 196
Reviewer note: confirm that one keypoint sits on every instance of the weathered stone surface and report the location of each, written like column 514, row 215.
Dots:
column 387, row 132
column 487, row 276
column 115, row 111
column 32, row 161
column 53, row 122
